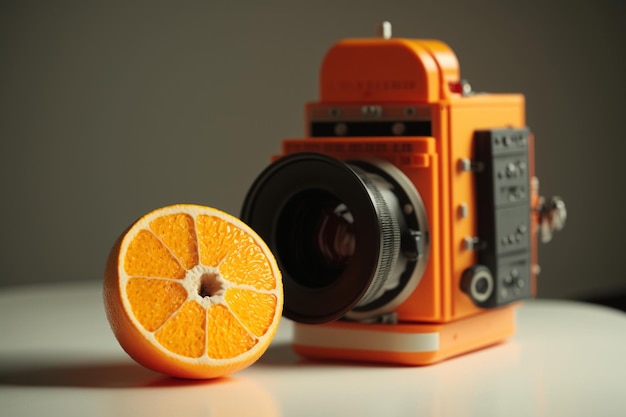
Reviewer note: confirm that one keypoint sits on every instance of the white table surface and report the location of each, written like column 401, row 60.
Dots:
column 58, row 357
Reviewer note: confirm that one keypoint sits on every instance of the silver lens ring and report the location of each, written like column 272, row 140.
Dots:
column 407, row 273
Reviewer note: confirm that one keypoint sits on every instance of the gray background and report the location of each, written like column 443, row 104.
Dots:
column 110, row 110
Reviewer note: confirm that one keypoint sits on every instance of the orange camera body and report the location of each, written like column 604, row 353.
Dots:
column 470, row 157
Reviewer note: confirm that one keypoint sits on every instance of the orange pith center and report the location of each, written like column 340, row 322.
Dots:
column 200, row 286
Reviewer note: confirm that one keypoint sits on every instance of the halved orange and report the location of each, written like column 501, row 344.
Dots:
column 192, row 292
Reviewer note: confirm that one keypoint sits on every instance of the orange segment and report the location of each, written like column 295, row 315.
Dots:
column 178, row 233
column 216, row 239
column 146, row 256
column 185, row 333
column 227, row 338
column 153, row 300
column 252, row 308
column 192, row 292
column 257, row 272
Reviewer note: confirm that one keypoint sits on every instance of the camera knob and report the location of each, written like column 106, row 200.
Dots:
column 478, row 283
column 552, row 217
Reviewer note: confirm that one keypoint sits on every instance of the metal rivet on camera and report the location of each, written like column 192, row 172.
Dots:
column 465, row 165
column 463, row 210
column 372, row 111
column 341, row 129
column 466, row 88
column 473, row 243
column 398, row 128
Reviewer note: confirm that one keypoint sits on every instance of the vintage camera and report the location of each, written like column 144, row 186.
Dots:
column 406, row 223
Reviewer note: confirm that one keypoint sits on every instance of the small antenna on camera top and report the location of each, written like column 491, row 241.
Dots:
column 383, row 30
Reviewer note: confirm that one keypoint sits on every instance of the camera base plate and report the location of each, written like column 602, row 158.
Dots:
column 404, row 343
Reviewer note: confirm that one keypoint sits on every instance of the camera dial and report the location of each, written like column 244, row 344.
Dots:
column 350, row 237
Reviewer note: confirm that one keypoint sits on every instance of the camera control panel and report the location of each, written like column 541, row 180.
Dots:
column 501, row 169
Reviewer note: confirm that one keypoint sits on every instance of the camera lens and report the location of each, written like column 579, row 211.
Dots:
column 318, row 250
column 350, row 237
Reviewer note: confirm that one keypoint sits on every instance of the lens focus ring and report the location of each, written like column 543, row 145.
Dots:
column 389, row 236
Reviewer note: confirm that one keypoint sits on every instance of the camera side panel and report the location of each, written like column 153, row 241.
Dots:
column 467, row 206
